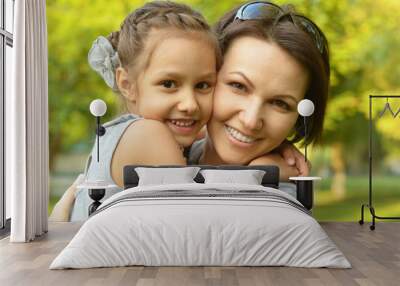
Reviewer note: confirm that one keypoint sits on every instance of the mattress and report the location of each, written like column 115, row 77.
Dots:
column 201, row 225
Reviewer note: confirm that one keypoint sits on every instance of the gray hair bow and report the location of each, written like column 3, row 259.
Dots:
column 104, row 60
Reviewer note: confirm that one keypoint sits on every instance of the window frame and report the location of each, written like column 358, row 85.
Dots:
column 6, row 39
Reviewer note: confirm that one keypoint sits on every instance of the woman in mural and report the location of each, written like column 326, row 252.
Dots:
column 273, row 58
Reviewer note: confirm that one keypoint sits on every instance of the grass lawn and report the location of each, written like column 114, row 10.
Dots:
column 386, row 199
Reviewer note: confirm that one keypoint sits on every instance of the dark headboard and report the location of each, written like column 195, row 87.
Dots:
column 270, row 179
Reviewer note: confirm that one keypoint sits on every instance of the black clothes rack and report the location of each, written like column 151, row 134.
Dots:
column 370, row 202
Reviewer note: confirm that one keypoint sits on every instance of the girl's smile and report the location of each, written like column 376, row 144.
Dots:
column 182, row 126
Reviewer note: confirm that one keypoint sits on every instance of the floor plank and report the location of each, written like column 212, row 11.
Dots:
column 374, row 255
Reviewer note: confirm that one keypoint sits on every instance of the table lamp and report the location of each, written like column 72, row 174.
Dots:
column 305, row 192
column 97, row 188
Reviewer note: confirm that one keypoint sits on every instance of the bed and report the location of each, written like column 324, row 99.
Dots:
column 202, row 222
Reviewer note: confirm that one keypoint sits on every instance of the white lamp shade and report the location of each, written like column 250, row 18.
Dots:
column 98, row 107
column 305, row 107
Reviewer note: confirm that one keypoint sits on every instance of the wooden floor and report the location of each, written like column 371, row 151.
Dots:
column 374, row 255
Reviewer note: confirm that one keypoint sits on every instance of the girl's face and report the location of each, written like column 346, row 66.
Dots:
column 176, row 87
column 255, row 100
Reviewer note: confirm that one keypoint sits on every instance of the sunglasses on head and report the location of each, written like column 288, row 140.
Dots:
column 260, row 10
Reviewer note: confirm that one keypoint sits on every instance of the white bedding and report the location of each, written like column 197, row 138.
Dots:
column 201, row 224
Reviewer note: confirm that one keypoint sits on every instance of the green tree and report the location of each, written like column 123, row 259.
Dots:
column 72, row 27
column 362, row 37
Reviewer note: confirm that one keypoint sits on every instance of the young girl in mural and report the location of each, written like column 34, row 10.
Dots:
column 165, row 59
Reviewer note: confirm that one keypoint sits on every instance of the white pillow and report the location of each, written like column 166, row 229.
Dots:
column 248, row 177
column 162, row 176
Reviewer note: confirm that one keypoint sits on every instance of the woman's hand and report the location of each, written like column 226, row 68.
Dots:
column 294, row 157
column 285, row 170
column 288, row 158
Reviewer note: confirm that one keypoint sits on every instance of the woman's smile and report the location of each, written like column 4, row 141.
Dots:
column 238, row 138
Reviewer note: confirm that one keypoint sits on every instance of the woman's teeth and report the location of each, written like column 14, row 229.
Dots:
column 183, row 123
column 239, row 136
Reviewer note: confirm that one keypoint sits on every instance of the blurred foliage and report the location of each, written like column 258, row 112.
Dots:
column 363, row 37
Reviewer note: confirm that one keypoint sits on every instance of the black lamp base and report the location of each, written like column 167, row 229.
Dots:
column 305, row 190
column 305, row 193
column 96, row 195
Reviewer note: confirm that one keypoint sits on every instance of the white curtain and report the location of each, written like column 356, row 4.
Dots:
column 27, row 124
